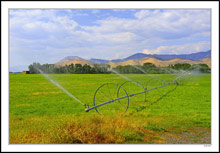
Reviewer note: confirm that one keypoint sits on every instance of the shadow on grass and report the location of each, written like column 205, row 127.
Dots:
column 141, row 108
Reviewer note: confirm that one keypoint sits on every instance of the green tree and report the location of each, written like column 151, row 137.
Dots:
column 148, row 65
column 78, row 68
column 71, row 68
column 31, row 69
column 183, row 66
column 203, row 68
column 86, row 69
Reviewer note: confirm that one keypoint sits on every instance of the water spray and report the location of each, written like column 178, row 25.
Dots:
column 112, row 92
column 120, row 92
column 124, row 97
column 59, row 86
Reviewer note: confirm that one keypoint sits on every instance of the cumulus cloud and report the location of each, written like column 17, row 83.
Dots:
column 167, row 24
column 39, row 20
column 145, row 13
column 44, row 35
column 148, row 24
column 95, row 11
column 179, row 49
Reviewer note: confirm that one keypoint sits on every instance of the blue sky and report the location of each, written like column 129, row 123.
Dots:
column 47, row 35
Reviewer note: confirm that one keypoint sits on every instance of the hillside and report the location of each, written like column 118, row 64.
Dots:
column 153, row 60
column 140, row 59
column 76, row 61
column 206, row 61
column 158, row 62
column 70, row 58
column 192, row 56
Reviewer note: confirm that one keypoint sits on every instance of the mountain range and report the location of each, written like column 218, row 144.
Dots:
column 192, row 56
column 140, row 58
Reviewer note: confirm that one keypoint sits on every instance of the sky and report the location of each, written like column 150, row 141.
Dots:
column 49, row 35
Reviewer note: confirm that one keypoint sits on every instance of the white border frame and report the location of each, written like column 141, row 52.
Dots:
column 5, row 146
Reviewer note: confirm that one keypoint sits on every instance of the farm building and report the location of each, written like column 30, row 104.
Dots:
column 25, row 72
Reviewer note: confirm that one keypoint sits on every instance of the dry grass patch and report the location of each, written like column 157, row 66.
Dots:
column 197, row 135
column 108, row 130
column 19, row 105
column 46, row 93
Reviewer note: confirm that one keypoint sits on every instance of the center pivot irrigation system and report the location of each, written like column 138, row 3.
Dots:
column 121, row 97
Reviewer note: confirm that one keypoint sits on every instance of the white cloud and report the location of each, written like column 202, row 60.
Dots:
column 47, row 34
column 180, row 49
column 65, row 22
column 123, row 37
column 145, row 13
column 167, row 24
column 40, row 24
column 95, row 11
column 25, row 13
column 80, row 14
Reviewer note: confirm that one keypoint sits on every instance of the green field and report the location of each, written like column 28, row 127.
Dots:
column 40, row 112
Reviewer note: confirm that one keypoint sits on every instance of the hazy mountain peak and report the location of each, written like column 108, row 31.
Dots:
column 70, row 58
column 138, row 56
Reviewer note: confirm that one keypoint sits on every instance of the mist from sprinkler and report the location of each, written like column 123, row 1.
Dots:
column 174, row 81
column 123, row 76
column 58, row 85
column 87, row 109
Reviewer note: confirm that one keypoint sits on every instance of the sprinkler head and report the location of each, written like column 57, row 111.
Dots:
column 86, row 109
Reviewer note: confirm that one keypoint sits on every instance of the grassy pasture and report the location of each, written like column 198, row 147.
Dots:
column 39, row 112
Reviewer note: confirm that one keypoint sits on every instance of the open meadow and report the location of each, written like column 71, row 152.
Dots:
column 41, row 113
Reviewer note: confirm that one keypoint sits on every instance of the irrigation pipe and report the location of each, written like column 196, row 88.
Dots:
column 88, row 109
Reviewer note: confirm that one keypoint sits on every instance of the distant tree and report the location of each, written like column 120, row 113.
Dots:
column 86, row 69
column 35, row 67
column 71, row 68
column 186, row 66
column 118, row 69
column 148, row 65
column 203, row 68
column 104, row 68
column 177, row 66
column 92, row 71
column 171, row 66
column 101, row 68
column 182, row 66
column 78, row 68
column 31, row 69
column 56, row 70
column 61, row 69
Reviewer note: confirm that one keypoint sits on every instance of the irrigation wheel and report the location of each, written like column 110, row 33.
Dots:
column 107, row 92
column 132, row 87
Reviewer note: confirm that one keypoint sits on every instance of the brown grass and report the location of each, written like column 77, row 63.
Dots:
column 46, row 93
column 19, row 105
column 29, row 137
column 92, row 131
column 95, row 130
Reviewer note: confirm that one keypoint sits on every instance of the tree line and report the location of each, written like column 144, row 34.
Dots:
column 153, row 69
column 35, row 68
